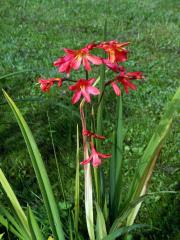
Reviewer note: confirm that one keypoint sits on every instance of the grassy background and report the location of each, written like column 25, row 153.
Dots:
column 33, row 34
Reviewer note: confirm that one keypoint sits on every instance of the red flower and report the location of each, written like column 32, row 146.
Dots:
column 46, row 84
column 115, row 50
column 88, row 133
column 95, row 157
column 83, row 87
column 113, row 66
column 74, row 58
column 125, row 79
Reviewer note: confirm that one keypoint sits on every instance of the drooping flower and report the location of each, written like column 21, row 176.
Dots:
column 88, row 133
column 46, row 84
column 74, row 58
column 85, row 88
column 113, row 66
column 115, row 50
column 125, row 79
column 95, row 157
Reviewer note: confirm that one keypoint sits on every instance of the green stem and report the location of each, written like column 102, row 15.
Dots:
column 87, row 75
column 98, row 173
column 97, row 185
column 96, row 170
column 76, row 214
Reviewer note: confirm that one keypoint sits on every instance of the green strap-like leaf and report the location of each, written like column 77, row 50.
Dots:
column 147, row 163
column 34, row 228
column 89, row 200
column 40, row 171
column 125, row 212
column 13, row 221
column 15, row 203
column 100, row 225
column 116, row 164
column 123, row 230
column 9, row 227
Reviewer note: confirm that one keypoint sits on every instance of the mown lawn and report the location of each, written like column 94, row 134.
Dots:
column 33, row 34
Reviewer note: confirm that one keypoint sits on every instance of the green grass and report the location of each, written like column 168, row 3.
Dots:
column 32, row 36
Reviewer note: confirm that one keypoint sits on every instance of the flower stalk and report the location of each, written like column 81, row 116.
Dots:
column 87, row 181
column 83, row 89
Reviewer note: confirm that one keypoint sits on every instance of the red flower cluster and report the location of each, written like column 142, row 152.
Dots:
column 73, row 59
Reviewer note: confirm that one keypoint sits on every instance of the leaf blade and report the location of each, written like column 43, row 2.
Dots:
column 149, row 158
column 123, row 230
column 14, row 201
column 33, row 225
column 116, row 164
column 41, row 174
column 100, row 224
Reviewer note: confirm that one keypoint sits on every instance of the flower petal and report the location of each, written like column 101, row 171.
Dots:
column 86, row 64
column 59, row 83
column 116, row 89
column 86, row 95
column 112, row 57
column 121, row 56
column 64, row 67
column 94, row 59
column 92, row 90
column 113, row 66
column 132, row 86
column 87, row 133
column 45, row 84
column 124, row 44
column 134, row 75
column 86, row 161
column 101, row 155
column 76, row 62
column 128, row 84
column 96, row 161
column 69, row 51
column 98, row 136
column 76, row 97
column 91, row 81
